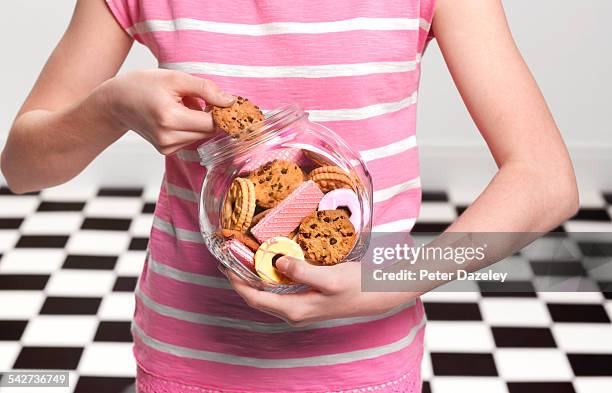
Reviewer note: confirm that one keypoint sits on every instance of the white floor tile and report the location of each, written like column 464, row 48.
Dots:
column 533, row 365
column 69, row 192
column 551, row 249
column 450, row 297
column 463, row 197
column 426, row 368
column 81, row 283
column 10, row 351
column 442, row 336
column 437, row 212
column 8, row 238
column 589, row 198
column 51, row 223
column 18, row 206
column 514, row 312
column 587, row 226
column 571, row 297
column 20, row 304
column 468, row 385
column 583, row 337
column 32, row 261
column 130, row 263
column 151, row 192
column 108, row 359
column 117, row 306
column 608, row 307
column 141, row 225
column 593, row 384
column 98, row 242
column 60, row 330
column 113, row 207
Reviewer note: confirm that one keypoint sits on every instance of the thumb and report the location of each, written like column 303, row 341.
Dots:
column 303, row 272
column 189, row 85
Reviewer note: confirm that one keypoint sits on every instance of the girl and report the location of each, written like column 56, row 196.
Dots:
column 355, row 64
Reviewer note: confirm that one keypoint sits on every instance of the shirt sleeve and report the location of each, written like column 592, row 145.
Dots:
column 123, row 11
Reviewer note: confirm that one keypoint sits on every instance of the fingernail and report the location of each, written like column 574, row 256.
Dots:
column 281, row 264
column 228, row 97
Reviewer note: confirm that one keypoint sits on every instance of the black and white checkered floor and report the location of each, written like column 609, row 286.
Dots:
column 69, row 259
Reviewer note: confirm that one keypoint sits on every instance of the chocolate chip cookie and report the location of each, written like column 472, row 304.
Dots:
column 326, row 236
column 236, row 119
column 274, row 181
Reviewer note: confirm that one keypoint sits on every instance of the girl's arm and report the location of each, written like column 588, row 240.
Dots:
column 77, row 107
column 534, row 189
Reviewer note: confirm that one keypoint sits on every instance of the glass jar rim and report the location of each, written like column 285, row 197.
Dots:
column 223, row 146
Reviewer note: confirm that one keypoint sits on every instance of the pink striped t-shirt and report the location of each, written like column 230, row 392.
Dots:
column 355, row 67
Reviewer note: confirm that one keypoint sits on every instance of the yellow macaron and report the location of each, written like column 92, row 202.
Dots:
column 269, row 252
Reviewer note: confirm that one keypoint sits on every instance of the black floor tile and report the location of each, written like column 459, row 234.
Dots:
column 519, row 337
column 463, row 364
column 540, row 387
column 558, row 268
column 30, row 282
column 10, row 223
column 12, row 330
column 426, row 387
column 452, row 311
column 107, row 224
column 507, row 289
column 113, row 331
column 139, row 244
column 102, row 384
column 593, row 313
column 51, row 358
column 608, row 197
column 433, row 227
column 460, row 210
column 125, row 284
column 587, row 365
column 592, row 214
column 606, row 288
column 559, row 229
column 90, row 262
column 37, row 241
column 596, row 249
column 120, row 192
column 71, row 305
column 51, row 206
column 435, row 196
column 148, row 208
column 6, row 191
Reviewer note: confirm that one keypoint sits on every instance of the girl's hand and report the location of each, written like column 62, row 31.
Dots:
column 162, row 106
column 336, row 293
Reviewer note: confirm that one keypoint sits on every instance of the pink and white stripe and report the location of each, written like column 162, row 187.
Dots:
column 355, row 67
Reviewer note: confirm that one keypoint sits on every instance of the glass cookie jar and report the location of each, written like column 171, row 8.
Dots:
column 288, row 186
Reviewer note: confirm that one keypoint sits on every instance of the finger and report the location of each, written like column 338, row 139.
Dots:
column 300, row 271
column 186, row 119
column 203, row 88
column 193, row 103
column 279, row 305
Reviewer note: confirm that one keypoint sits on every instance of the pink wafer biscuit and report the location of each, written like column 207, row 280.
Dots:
column 288, row 214
column 286, row 154
column 242, row 253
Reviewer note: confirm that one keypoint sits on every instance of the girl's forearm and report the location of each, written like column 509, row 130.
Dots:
column 47, row 147
column 523, row 197
column 522, row 202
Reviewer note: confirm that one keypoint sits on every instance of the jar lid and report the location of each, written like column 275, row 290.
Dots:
column 222, row 146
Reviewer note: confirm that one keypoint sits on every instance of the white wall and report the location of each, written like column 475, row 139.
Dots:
column 566, row 44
